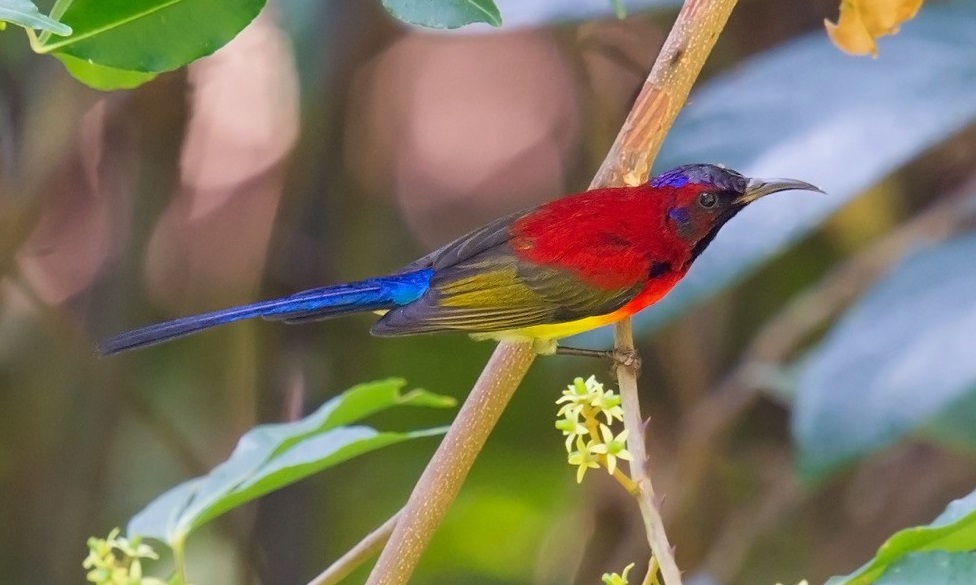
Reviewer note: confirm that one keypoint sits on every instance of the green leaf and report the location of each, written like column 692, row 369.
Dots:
column 272, row 456
column 444, row 13
column 24, row 13
column 536, row 13
column 806, row 111
column 953, row 531
column 150, row 36
column 934, row 568
column 101, row 77
column 901, row 357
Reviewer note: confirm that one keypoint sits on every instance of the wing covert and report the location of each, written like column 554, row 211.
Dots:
column 492, row 290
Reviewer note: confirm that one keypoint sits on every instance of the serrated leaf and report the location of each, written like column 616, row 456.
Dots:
column 900, row 357
column 150, row 36
column 953, row 531
column 269, row 457
column 804, row 110
column 25, row 13
column 444, row 13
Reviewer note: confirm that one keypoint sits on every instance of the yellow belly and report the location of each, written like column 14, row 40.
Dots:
column 543, row 337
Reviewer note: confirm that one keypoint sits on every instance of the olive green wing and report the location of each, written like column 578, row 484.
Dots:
column 489, row 290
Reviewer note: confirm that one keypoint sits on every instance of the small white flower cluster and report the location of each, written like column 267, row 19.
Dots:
column 583, row 403
column 118, row 561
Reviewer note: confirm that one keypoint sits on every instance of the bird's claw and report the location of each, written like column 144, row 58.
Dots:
column 628, row 358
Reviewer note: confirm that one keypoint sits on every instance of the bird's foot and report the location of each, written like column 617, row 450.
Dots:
column 628, row 358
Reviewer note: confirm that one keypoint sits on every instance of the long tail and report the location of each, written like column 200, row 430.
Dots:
column 385, row 292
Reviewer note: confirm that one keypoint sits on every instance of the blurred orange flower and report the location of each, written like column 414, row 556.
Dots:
column 861, row 22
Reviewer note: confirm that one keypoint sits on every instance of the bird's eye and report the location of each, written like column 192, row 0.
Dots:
column 707, row 200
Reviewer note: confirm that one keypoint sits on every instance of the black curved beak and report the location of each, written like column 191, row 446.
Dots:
column 757, row 188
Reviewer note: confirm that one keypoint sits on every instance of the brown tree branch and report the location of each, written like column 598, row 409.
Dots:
column 441, row 480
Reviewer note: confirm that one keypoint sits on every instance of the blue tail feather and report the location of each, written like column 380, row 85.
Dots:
column 373, row 294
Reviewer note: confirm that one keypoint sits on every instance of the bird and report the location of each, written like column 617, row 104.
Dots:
column 538, row 275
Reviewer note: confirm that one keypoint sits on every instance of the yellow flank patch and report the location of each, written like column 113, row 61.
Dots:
column 551, row 331
column 486, row 290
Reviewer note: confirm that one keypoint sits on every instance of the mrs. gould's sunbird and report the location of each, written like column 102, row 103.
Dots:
column 562, row 268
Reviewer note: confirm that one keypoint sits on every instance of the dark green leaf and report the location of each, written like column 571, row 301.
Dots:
column 901, row 356
column 272, row 456
column 24, row 13
column 150, row 36
column 444, row 13
column 807, row 111
column 103, row 78
column 953, row 531
column 521, row 13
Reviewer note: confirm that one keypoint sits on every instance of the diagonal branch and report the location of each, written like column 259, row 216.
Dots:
column 439, row 484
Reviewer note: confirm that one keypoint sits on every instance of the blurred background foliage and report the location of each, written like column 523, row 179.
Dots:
column 811, row 384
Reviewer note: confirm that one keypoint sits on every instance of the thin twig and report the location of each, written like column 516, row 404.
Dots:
column 357, row 555
column 646, row 500
column 664, row 93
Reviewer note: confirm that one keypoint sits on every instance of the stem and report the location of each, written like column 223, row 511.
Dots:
column 357, row 555
column 35, row 43
column 646, row 500
column 441, row 480
column 593, row 427
column 651, row 577
column 627, row 483
column 179, row 560
column 664, row 93
column 57, row 12
column 59, row 8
